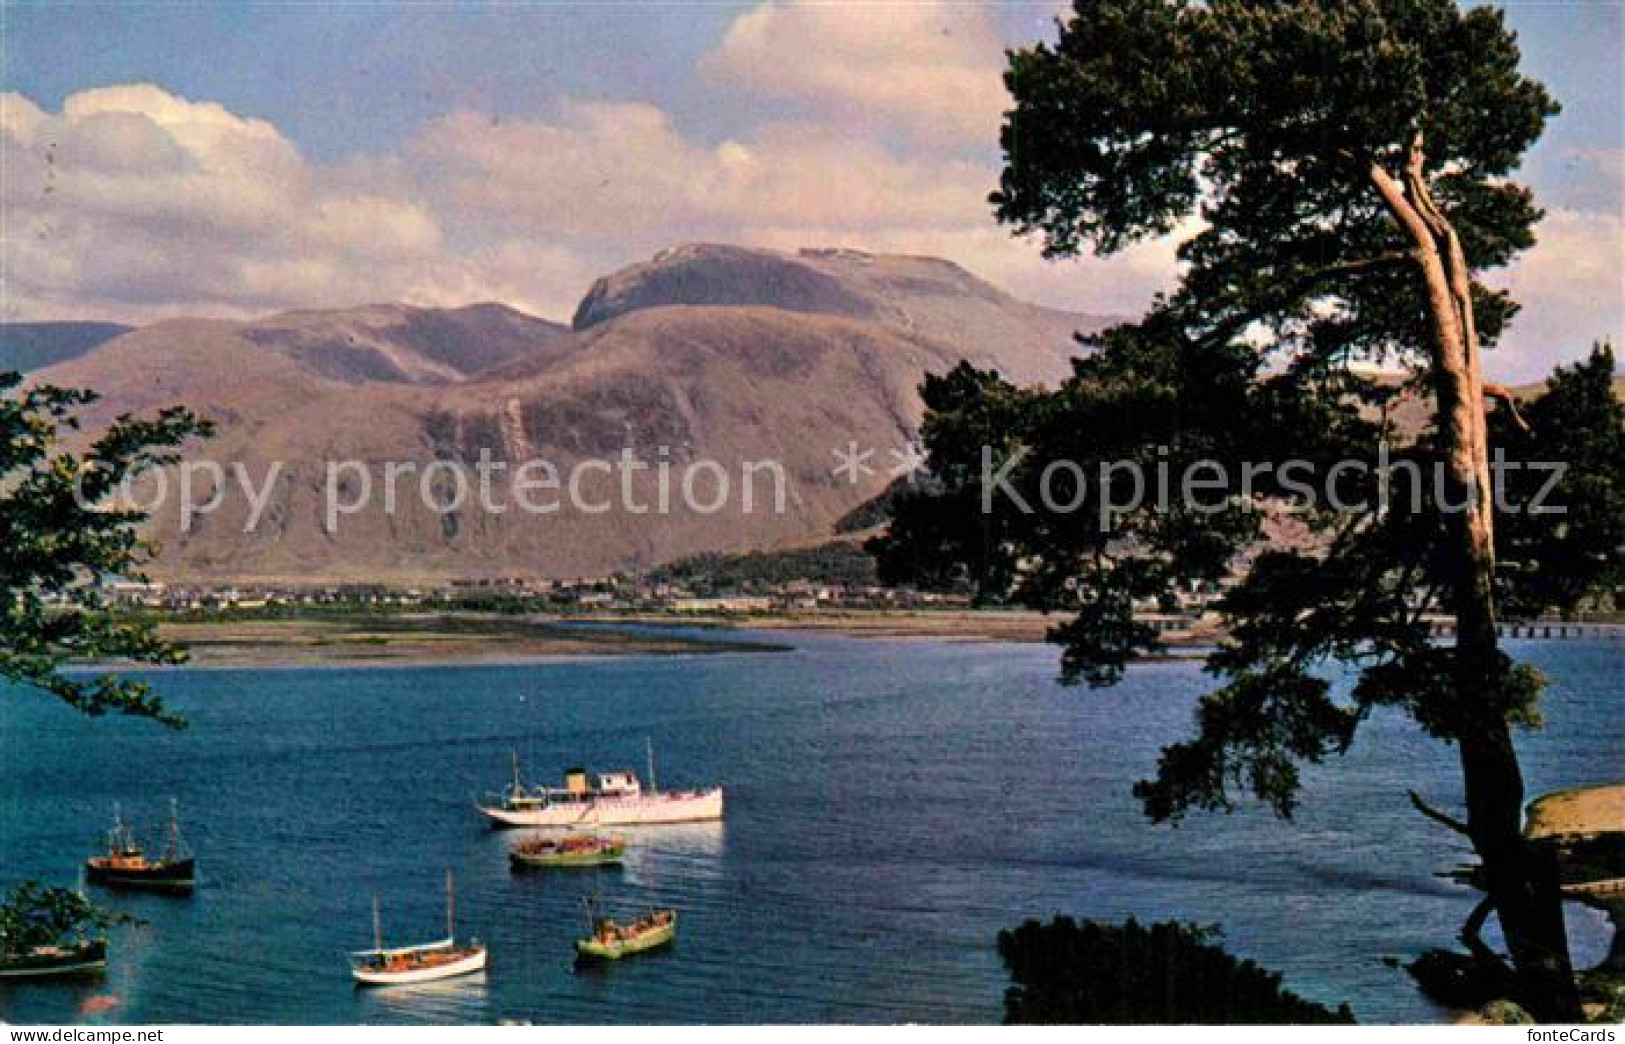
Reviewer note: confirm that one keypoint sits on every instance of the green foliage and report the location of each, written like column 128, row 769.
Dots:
column 1459, row 980
column 1557, row 561
column 838, row 562
column 1268, row 122
column 1263, row 118
column 1165, row 974
column 37, row 915
column 59, row 540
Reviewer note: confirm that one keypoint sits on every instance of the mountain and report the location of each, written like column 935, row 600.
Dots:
column 699, row 362
column 920, row 296
column 394, row 343
column 34, row 346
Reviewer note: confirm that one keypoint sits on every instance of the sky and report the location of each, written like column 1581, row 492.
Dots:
column 239, row 159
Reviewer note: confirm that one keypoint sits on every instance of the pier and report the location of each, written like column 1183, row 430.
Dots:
column 1540, row 630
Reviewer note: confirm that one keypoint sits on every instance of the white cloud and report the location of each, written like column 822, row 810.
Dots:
column 931, row 68
column 134, row 202
column 1572, row 288
column 622, row 175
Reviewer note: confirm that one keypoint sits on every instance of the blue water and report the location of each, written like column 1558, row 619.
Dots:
column 891, row 806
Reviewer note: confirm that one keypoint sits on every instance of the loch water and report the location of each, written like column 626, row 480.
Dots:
column 892, row 804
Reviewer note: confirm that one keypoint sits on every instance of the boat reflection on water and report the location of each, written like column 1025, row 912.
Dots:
column 692, row 850
column 463, row 999
column 680, row 839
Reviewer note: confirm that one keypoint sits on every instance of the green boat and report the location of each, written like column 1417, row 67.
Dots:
column 610, row 941
column 74, row 957
column 573, row 851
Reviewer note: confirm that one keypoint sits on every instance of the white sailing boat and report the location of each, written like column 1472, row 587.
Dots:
column 426, row 962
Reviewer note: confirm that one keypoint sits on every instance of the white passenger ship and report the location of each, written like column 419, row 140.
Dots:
column 612, row 799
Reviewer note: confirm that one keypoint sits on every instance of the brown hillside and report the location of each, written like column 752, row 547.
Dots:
column 704, row 353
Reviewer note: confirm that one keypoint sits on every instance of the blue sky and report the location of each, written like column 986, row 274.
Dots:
column 446, row 123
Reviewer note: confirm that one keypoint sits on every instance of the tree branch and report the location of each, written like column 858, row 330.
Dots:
column 1438, row 817
column 1502, row 394
column 1294, row 291
column 1362, row 264
column 1474, row 941
column 1394, row 198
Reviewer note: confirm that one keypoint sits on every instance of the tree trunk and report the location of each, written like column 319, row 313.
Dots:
column 1521, row 880
column 1614, row 963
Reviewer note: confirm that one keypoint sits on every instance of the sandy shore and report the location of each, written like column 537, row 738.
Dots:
column 1583, row 810
column 1001, row 625
column 386, row 640
column 365, row 640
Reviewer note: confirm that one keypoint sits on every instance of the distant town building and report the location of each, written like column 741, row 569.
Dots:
column 724, row 604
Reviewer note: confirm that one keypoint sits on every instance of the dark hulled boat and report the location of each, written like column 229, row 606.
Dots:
column 126, row 864
column 78, row 957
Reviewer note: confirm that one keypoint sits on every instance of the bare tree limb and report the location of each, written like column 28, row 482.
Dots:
column 1474, row 941
column 1503, row 395
column 1438, row 817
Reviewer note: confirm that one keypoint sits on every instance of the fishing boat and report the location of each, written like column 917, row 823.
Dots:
column 427, row 962
column 612, row 799
column 570, row 851
column 610, row 940
column 126, row 865
column 76, row 957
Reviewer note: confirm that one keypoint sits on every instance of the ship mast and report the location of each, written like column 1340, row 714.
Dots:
column 174, row 829
column 451, row 908
column 593, row 902
column 650, row 745
column 518, row 788
column 377, row 926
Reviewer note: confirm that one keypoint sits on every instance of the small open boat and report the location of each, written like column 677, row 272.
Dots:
column 571, row 851
column 611, row 941
column 79, row 957
column 397, row 966
column 126, row 865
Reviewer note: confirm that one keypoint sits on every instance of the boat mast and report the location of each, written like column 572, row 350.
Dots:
column 591, row 902
column 650, row 745
column 119, row 839
column 377, row 926
column 174, row 829
column 518, row 788
column 451, row 907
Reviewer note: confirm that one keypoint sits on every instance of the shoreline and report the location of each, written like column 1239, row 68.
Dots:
column 1023, row 626
column 470, row 638
column 1577, row 812
column 430, row 640
column 460, row 638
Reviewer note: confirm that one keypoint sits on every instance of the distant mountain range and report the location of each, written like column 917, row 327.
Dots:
column 712, row 352
column 34, row 346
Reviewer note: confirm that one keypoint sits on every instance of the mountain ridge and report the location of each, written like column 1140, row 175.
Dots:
column 26, row 346
column 699, row 354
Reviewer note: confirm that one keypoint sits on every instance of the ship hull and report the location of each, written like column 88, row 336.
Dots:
column 644, row 810
column 593, row 950
column 474, row 962
column 563, row 861
column 176, row 876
